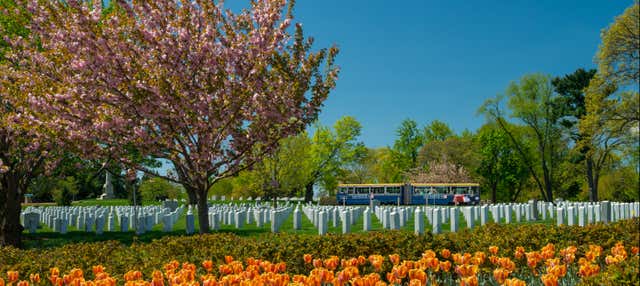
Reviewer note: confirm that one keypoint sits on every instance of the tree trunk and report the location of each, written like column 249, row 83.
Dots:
column 308, row 192
column 524, row 158
column 593, row 188
column 203, row 211
column 10, row 227
column 494, row 188
column 193, row 199
column 596, row 179
column 546, row 176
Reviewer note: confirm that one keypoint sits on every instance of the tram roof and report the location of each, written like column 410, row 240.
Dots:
column 413, row 184
column 445, row 184
column 371, row 185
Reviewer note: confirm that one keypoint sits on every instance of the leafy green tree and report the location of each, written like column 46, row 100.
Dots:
column 407, row 145
column 156, row 188
column 384, row 168
column 572, row 108
column 437, row 131
column 571, row 97
column 500, row 166
column 228, row 186
column 281, row 174
column 618, row 56
column 457, row 150
column 612, row 100
column 532, row 102
column 620, row 184
column 330, row 150
column 64, row 191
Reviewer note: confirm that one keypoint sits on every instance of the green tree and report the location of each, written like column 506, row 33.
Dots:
column 612, row 101
column 384, row 168
column 457, row 150
column 437, row 131
column 330, row 150
column 284, row 173
column 500, row 166
column 156, row 188
column 618, row 56
column 407, row 145
column 64, row 190
column 532, row 102
column 572, row 107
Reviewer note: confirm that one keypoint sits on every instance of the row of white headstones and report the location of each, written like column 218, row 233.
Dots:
column 143, row 219
column 100, row 218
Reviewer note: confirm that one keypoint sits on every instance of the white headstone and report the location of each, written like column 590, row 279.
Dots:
column 366, row 226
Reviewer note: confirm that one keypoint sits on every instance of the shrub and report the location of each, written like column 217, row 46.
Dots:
column 328, row 201
column 291, row 248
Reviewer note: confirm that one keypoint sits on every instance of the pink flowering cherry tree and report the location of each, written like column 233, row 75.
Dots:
column 25, row 143
column 207, row 89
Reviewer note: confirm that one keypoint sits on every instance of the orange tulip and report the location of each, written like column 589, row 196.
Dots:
column 376, row 261
column 208, row 265
column 493, row 250
column 514, row 282
column 478, row 258
column 558, row 270
column 307, row 258
column 54, row 271
column 23, row 283
column 462, row 258
column 209, row 282
column 228, row 259
column 317, row 263
column 587, row 270
column 445, row 253
column 500, row 274
column 568, row 254
column 97, row 269
column 393, row 279
column 12, row 276
column 469, row 281
column 35, row 278
column 506, row 263
column 429, row 254
column 549, row 280
column 519, row 252
column 395, row 259
column 2, row 283
column 466, row 270
column 533, row 258
column 445, row 266
column 331, row 263
column 417, row 274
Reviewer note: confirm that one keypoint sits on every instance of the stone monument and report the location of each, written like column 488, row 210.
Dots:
column 107, row 188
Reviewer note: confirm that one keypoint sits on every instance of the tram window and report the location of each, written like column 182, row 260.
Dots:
column 393, row 190
column 378, row 190
column 364, row 190
column 441, row 190
column 461, row 190
column 341, row 190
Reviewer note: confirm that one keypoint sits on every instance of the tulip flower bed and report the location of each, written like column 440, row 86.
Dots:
column 489, row 255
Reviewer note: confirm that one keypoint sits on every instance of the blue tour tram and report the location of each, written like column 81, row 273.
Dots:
column 409, row 194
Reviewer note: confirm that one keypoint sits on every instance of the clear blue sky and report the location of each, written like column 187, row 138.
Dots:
column 429, row 60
